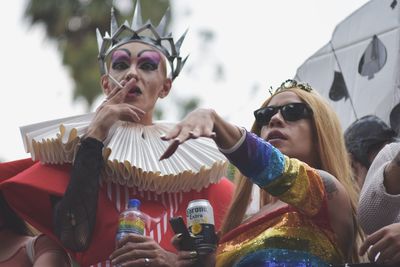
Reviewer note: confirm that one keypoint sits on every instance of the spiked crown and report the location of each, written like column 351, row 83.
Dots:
column 141, row 32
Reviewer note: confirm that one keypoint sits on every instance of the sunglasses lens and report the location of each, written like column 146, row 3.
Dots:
column 290, row 112
column 264, row 115
column 295, row 111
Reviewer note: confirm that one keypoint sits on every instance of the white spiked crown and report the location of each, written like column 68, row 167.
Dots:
column 144, row 33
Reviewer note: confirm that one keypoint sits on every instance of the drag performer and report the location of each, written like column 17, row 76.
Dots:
column 115, row 156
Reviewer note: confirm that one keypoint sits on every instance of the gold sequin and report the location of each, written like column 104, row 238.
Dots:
column 301, row 187
column 291, row 230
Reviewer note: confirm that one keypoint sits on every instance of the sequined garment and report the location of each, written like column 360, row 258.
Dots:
column 298, row 234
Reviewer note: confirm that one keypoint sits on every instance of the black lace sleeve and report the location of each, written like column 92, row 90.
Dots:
column 75, row 213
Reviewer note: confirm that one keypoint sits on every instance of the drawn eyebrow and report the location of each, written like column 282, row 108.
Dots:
column 126, row 50
column 146, row 50
column 121, row 50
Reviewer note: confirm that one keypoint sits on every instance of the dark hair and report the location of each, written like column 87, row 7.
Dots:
column 366, row 135
column 11, row 219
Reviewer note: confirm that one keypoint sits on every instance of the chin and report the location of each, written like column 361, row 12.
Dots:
column 277, row 143
column 287, row 151
column 281, row 149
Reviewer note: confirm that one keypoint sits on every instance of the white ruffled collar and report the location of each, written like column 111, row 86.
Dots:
column 132, row 151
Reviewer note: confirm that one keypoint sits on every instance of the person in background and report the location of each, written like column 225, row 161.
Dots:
column 373, row 147
column 18, row 245
column 379, row 207
column 296, row 155
column 80, row 204
column 364, row 139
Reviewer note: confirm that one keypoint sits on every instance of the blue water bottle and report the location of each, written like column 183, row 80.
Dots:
column 131, row 221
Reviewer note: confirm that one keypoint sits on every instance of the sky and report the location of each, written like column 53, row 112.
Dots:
column 258, row 43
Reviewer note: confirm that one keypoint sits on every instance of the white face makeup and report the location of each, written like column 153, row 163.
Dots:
column 146, row 66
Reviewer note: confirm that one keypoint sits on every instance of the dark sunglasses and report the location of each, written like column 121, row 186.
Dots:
column 290, row 112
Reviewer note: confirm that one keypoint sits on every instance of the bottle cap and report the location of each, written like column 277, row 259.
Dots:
column 134, row 203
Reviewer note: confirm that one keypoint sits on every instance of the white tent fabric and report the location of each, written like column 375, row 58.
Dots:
column 359, row 69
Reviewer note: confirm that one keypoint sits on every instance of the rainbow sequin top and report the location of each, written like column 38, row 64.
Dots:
column 298, row 234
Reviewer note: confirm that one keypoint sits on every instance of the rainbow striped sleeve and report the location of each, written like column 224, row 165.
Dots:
column 291, row 180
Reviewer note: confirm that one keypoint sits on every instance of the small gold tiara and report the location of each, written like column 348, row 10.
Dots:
column 288, row 84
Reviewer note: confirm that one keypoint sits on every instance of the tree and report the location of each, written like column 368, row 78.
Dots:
column 72, row 24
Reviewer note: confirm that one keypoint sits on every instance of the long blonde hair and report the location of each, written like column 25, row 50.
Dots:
column 332, row 157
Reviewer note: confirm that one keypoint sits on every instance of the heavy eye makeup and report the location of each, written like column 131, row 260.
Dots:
column 148, row 60
column 120, row 59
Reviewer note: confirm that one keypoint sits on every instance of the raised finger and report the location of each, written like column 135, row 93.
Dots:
column 172, row 133
column 183, row 136
column 130, row 114
column 187, row 132
column 379, row 246
column 210, row 134
column 107, row 98
column 139, row 111
column 195, row 133
column 120, row 94
column 113, row 92
column 102, row 105
column 118, row 84
column 370, row 240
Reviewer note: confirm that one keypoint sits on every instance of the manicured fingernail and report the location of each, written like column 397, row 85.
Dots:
column 193, row 253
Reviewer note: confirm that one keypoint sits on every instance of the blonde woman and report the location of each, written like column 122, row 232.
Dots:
column 307, row 209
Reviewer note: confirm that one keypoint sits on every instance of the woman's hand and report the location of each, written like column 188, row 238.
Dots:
column 191, row 258
column 112, row 110
column 188, row 259
column 386, row 243
column 198, row 123
column 201, row 123
column 138, row 250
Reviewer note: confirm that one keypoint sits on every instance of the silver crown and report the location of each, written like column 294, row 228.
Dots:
column 144, row 33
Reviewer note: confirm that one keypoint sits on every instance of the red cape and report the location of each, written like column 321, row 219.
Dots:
column 30, row 185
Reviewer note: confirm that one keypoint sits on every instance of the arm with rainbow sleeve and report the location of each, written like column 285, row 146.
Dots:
column 289, row 179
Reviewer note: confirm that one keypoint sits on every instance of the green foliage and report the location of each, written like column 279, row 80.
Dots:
column 72, row 24
column 231, row 172
column 158, row 113
column 187, row 105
